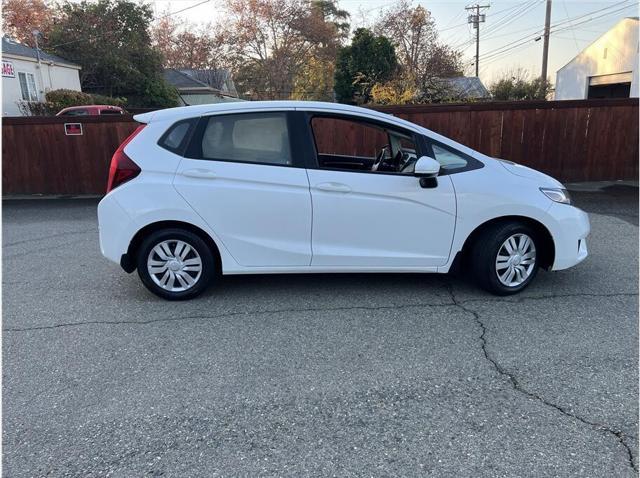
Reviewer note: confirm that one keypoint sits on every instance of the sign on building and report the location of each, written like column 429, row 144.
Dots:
column 7, row 69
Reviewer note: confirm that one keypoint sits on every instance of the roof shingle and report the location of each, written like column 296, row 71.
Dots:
column 12, row 47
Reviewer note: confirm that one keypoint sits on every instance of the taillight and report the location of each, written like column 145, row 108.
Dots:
column 122, row 168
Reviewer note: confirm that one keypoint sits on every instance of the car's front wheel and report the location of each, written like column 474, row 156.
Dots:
column 175, row 264
column 505, row 258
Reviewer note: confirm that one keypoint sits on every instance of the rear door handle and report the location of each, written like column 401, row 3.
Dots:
column 199, row 173
column 334, row 187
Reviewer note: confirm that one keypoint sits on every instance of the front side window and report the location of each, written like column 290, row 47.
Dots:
column 354, row 144
column 28, row 86
column 248, row 137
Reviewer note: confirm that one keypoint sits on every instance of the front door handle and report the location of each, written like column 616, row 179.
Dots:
column 199, row 173
column 334, row 187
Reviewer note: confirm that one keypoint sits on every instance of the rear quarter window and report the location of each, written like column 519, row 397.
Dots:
column 176, row 137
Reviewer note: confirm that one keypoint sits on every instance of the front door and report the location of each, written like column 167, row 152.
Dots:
column 242, row 177
column 371, row 212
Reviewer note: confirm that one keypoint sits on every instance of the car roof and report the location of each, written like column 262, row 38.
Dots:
column 90, row 107
column 86, row 107
column 184, row 112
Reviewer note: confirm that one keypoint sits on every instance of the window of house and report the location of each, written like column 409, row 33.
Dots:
column 28, row 86
column 248, row 137
column 353, row 144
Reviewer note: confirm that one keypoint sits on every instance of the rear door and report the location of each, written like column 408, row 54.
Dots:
column 244, row 176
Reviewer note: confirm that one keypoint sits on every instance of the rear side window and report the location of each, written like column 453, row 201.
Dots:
column 75, row 113
column 248, row 137
column 177, row 136
column 110, row 112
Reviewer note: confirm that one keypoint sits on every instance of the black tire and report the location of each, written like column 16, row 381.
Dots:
column 485, row 251
column 206, row 256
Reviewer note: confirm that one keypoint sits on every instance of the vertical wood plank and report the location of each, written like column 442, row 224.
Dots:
column 587, row 140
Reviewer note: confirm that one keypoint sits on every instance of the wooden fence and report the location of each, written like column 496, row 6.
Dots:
column 39, row 158
column 587, row 140
column 582, row 140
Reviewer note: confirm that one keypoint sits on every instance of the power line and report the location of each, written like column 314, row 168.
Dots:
column 554, row 28
column 159, row 18
column 566, row 12
column 527, row 43
column 526, row 7
column 170, row 14
column 568, row 20
column 467, row 43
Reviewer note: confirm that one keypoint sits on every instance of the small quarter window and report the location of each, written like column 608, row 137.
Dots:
column 449, row 159
column 176, row 137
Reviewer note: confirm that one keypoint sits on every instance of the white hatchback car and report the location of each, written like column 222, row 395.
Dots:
column 296, row 187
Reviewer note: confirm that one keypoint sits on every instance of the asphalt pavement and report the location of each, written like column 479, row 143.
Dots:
column 317, row 375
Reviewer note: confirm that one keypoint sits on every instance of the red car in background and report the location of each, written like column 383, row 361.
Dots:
column 91, row 110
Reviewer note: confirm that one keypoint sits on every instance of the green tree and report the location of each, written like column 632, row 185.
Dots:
column 517, row 87
column 110, row 39
column 370, row 59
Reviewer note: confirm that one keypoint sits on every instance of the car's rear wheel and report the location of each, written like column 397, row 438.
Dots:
column 505, row 258
column 175, row 264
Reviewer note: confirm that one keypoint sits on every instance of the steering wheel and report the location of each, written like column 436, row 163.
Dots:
column 380, row 159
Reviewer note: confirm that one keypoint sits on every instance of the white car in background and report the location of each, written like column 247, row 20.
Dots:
column 298, row 187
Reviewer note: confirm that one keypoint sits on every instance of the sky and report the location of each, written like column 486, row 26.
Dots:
column 507, row 38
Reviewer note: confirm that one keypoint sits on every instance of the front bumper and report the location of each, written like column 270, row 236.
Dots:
column 570, row 231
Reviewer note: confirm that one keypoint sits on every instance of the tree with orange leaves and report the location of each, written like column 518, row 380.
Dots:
column 22, row 17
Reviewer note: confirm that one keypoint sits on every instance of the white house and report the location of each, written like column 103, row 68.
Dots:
column 27, row 78
column 608, row 68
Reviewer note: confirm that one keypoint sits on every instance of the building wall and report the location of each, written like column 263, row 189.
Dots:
column 52, row 77
column 614, row 52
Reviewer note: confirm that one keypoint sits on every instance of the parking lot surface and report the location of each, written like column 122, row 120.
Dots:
column 318, row 375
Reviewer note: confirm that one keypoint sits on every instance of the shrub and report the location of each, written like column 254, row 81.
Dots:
column 60, row 99
column 35, row 108
column 517, row 85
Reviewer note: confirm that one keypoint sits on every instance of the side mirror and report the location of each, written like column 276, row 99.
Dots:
column 426, row 167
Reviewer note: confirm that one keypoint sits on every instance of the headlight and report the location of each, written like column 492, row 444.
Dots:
column 557, row 194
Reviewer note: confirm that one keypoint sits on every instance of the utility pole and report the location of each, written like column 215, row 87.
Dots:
column 477, row 18
column 545, row 46
column 36, row 34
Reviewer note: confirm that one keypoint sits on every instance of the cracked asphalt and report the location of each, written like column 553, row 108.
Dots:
column 319, row 375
